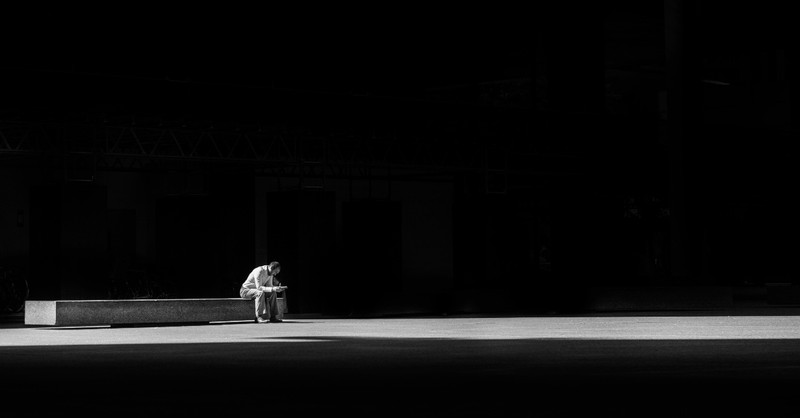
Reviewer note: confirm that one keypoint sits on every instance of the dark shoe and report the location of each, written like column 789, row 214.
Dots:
column 275, row 320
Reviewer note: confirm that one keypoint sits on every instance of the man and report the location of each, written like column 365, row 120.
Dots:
column 262, row 286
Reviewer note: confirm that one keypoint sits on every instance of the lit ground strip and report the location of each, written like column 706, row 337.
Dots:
column 513, row 328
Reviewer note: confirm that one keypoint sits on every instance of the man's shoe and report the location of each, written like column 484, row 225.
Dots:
column 275, row 320
column 261, row 320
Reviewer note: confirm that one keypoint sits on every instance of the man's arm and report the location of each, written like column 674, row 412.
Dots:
column 260, row 281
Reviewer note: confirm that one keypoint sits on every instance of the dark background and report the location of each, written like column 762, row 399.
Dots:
column 401, row 161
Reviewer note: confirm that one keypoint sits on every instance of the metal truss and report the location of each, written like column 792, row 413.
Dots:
column 281, row 151
column 309, row 156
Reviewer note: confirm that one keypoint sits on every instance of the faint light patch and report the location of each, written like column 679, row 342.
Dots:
column 717, row 82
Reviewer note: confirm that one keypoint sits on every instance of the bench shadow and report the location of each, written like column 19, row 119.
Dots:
column 161, row 325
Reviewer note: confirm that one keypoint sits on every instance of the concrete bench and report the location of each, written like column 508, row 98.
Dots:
column 140, row 311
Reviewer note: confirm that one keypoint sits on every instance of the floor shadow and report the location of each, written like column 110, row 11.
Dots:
column 306, row 376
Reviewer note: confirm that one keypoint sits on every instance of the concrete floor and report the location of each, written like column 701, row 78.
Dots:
column 686, row 364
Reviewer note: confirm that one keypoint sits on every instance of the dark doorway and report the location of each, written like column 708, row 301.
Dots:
column 187, row 244
column 121, row 251
column 301, row 235
column 69, row 241
column 373, row 251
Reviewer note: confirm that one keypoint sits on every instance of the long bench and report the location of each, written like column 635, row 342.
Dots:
column 140, row 311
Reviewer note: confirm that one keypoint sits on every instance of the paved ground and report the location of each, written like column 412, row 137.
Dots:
column 640, row 365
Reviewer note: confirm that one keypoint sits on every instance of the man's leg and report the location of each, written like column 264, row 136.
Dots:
column 261, row 305
column 272, row 302
column 259, row 296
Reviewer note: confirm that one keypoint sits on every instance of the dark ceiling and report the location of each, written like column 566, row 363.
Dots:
column 233, row 63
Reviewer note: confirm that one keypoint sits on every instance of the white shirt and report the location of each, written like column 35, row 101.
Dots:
column 258, row 278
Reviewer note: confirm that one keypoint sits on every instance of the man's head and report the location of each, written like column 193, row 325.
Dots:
column 274, row 268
